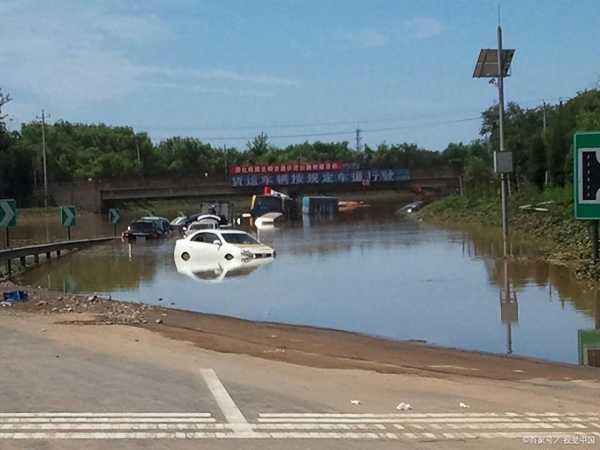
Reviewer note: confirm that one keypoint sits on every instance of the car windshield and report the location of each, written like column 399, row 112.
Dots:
column 239, row 238
column 202, row 226
column 143, row 227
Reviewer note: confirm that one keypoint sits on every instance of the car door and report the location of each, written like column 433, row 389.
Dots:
column 204, row 247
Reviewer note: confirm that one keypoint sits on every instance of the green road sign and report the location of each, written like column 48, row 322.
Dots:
column 114, row 216
column 68, row 216
column 8, row 213
column 586, row 175
column 588, row 346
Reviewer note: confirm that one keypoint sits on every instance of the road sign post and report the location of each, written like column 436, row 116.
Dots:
column 68, row 218
column 114, row 216
column 586, row 182
column 8, row 220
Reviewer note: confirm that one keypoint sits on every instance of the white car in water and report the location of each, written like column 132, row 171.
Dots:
column 221, row 245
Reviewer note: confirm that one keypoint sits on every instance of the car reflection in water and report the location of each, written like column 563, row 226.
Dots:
column 211, row 271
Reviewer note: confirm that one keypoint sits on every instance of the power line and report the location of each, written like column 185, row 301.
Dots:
column 345, row 133
column 384, row 119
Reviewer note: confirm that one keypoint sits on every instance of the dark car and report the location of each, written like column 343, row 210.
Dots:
column 147, row 229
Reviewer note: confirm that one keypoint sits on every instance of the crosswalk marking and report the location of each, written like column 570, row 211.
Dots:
column 189, row 425
column 104, row 419
column 108, row 414
column 386, row 420
column 382, row 416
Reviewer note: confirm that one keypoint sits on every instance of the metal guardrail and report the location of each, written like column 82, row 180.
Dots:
column 53, row 247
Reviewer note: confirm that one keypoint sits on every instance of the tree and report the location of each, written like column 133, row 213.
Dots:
column 258, row 147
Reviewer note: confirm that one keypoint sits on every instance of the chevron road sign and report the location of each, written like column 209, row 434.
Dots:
column 68, row 216
column 8, row 213
column 586, row 182
column 114, row 216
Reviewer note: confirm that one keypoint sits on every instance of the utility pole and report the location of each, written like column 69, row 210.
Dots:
column 544, row 115
column 547, row 174
column 137, row 149
column 358, row 139
column 44, row 158
column 503, row 174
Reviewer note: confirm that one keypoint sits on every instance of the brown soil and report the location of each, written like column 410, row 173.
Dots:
column 301, row 345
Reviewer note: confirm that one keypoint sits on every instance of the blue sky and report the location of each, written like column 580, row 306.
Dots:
column 230, row 69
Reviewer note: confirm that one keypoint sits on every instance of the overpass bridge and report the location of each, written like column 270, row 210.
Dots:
column 98, row 195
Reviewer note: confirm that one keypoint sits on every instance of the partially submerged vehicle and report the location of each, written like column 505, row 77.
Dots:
column 267, row 221
column 178, row 222
column 411, row 207
column 144, row 229
column 204, row 222
column 222, row 210
column 221, row 245
column 320, row 205
column 351, row 205
column 272, row 201
column 162, row 223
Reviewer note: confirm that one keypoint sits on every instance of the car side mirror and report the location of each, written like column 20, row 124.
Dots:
column 217, row 243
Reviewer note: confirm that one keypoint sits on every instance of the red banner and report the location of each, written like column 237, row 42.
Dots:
column 261, row 169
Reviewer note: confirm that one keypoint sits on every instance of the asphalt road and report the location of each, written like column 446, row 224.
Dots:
column 102, row 387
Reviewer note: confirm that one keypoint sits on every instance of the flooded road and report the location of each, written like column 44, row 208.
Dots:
column 372, row 273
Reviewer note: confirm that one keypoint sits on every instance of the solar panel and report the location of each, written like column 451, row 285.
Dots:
column 487, row 63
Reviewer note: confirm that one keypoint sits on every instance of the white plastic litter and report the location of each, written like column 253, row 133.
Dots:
column 463, row 405
column 403, row 406
column 355, row 402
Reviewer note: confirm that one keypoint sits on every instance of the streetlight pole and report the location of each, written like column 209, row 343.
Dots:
column 495, row 64
column 44, row 159
column 503, row 175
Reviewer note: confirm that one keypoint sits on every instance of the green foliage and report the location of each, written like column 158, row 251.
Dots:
column 81, row 151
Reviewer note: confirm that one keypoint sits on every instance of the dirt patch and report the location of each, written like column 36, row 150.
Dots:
column 315, row 347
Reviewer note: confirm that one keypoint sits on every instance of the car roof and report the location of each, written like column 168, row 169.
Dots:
column 154, row 218
column 221, row 231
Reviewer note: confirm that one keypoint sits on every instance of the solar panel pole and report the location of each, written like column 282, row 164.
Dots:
column 503, row 175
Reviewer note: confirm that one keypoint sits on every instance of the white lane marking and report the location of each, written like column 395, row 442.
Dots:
column 230, row 411
column 383, row 416
column 199, row 435
column 109, row 414
column 115, row 426
column 501, row 435
column 317, row 435
column 228, row 407
column 184, row 426
column 105, row 419
column 396, row 420
column 508, row 426
column 317, row 426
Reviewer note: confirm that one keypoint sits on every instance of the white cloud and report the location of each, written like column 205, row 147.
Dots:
column 211, row 90
column 363, row 38
column 138, row 29
column 191, row 76
column 419, row 28
column 70, row 57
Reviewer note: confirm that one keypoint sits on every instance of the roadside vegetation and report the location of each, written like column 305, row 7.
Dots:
column 544, row 217
column 540, row 139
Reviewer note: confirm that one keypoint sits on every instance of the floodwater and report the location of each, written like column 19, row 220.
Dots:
column 371, row 272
